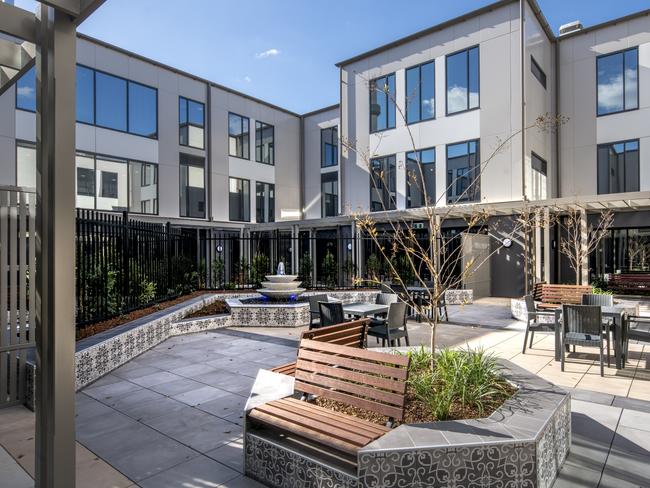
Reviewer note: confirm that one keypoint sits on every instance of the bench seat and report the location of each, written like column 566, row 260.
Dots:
column 333, row 429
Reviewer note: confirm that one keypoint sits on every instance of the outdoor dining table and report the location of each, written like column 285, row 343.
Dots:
column 618, row 314
column 364, row 309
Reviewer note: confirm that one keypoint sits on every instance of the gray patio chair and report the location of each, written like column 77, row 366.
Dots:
column 532, row 322
column 594, row 299
column 639, row 329
column 386, row 298
column 582, row 325
column 331, row 313
column 314, row 311
column 393, row 328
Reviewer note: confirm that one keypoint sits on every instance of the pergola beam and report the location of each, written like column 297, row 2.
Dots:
column 17, row 22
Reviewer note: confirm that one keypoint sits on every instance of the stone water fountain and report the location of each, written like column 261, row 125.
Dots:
column 281, row 286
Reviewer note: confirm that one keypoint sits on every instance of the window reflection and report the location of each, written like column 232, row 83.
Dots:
column 143, row 187
column 110, row 101
column 191, row 121
column 463, row 80
column 618, row 82
column 463, row 172
column 618, row 167
column 382, row 103
column 85, row 95
column 265, row 202
column 238, row 136
column 192, row 185
column 329, row 187
column 420, row 93
column 329, row 150
column 25, row 165
column 382, row 183
column 239, row 200
column 264, row 143
column 421, row 178
column 26, row 91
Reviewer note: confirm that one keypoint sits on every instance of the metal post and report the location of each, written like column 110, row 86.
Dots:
column 584, row 266
column 55, row 250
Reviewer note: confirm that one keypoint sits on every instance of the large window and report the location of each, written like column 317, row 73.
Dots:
column 329, row 147
column 264, row 202
column 420, row 93
column 618, row 88
column 26, row 164
column 463, row 172
column 264, row 143
column 329, row 187
column 463, row 81
column 538, row 177
column 240, row 200
column 537, row 71
column 421, row 178
column 382, row 183
column 26, row 91
column 382, row 103
column 192, row 186
column 115, row 103
column 238, row 139
column 618, row 167
column 106, row 183
column 191, row 123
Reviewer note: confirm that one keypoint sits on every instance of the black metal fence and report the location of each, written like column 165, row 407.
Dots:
column 124, row 264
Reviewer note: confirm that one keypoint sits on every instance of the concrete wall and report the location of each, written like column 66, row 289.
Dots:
column 578, row 99
column 497, row 35
column 8, row 137
column 312, row 126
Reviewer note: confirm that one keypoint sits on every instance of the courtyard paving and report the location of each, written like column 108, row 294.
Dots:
column 173, row 416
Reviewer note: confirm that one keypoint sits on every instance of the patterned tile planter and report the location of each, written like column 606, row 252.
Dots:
column 519, row 311
column 459, row 297
column 521, row 445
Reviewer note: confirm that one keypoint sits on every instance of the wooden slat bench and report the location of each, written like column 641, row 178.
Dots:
column 369, row 380
column 555, row 295
column 630, row 283
column 351, row 334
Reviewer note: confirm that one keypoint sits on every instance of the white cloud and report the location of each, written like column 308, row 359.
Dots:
column 268, row 53
column 25, row 91
column 248, row 79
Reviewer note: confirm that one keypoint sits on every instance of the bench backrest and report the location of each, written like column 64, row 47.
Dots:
column 570, row 294
column 351, row 334
column 370, row 380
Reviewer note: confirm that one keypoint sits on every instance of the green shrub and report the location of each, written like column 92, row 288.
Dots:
column 305, row 269
column 329, row 270
column 373, row 267
column 260, row 267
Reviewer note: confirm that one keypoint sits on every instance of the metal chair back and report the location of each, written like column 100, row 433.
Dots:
column 530, row 304
column 385, row 288
column 331, row 313
column 386, row 298
column 583, row 319
column 313, row 302
column 602, row 300
column 396, row 315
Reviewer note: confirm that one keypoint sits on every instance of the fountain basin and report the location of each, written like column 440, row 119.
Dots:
column 281, row 294
column 270, row 285
column 281, row 278
column 281, row 287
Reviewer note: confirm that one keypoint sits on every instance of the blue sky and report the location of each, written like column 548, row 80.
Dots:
column 284, row 51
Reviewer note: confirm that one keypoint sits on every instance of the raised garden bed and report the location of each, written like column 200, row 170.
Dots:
column 523, row 442
column 217, row 307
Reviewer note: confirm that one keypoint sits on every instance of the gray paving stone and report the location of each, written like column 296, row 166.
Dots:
column 177, row 387
column 231, row 454
column 635, row 420
column 103, row 427
column 12, row 475
column 152, row 409
column 632, row 404
column 241, row 482
column 614, row 478
column 575, row 476
column 225, row 406
column 194, row 370
column 154, row 379
column 128, row 403
column 112, row 391
column 108, row 379
column 198, row 472
column 203, row 394
column 136, row 370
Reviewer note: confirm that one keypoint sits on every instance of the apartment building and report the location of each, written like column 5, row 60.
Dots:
column 460, row 101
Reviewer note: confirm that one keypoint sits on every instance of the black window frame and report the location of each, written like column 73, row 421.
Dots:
column 326, row 177
column 188, row 123
column 432, row 199
column 185, row 159
column 638, row 81
column 260, row 126
column 391, row 193
column 406, row 94
column 95, row 124
column 121, row 160
column 537, row 71
column 478, row 72
column 334, row 144
column 246, row 201
column 450, row 199
column 270, row 187
column 248, row 136
column 599, row 175
column 538, row 163
column 371, row 84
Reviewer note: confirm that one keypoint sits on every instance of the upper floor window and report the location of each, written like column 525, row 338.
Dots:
column 537, row 71
column 539, row 169
column 382, row 183
column 618, row 83
column 192, row 186
column 115, row 103
column 329, row 147
column 264, row 143
column 382, row 103
column 238, row 136
column 26, row 164
column 420, row 93
column 329, row 188
column 265, row 202
column 191, row 123
column 463, row 172
column 26, row 91
column 240, row 200
column 421, row 178
column 463, row 80
column 618, row 167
